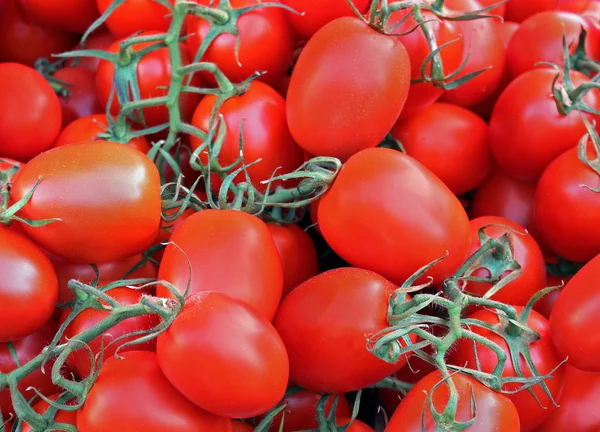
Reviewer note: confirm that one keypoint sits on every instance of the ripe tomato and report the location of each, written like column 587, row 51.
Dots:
column 107, row 196
column 356, row 426
column 546, row 303
column 576, row 6
column 327, row 350
column 451, row 141
column 526, row 130
column 28, row 286
column 392, row 196
column 347, row 89
column 99, row 40
column 494, row 411
column 497, row 11
column 153, row 78
column 86, row 129
column 30, row 113
column 252, row 274
column 83, row 99
column 265, row 131
column 520, row 10
column 73, row 16
column 578, row 404
column 136, row 15
column 240, row 426
column 575, row 319
column 27, row 348
column 24, row 41
column 65, row 417
column 133, row 395
column 543, row 354
column 266, row 43
column 168, row 228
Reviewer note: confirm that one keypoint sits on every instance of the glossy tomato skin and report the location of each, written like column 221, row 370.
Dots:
column 28, row 286
column 347, row 89
column 327, row 350
column 495, row 412
column 543, row 354
column 100, row 40
column 61, row 416
column 266, row 43
column 526, row 130
column 199, row 354
column 30, row 112
column 411, row 205
column 133, row 395
column 252, row 274
column 546, row 303
column 74, row 16
column 83, row 98
column 520, row 10
column 265, row 131
column 575, row 319
column 135, row 16
column 107, row 196
column 451, row 141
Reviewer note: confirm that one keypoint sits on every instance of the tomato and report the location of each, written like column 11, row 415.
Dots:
column 544, row 356
column 240, row 426
column 347, row 89
column 327, row 349
column 266, row 43
column 24, row 41
column 451, row 141
column 382, row 194
column 520, row 10
column 578, row 404
column 546, row 303
column 106, row 195
column 83, row 99
column 133, row 395
column 86, row 129
column 26, row 349
column 497, row 11
column 28, row 286
column 356, row 426
column 526, row 130
column 265, row 131
column 168, row 228
column 73, row 16
column 136, row 15
column 30, row 113
column 65, row 417
column 575, row 319
column 153, row 78
column 576, row 6
column 207, row 239
column 494, row 411
column 100, row 40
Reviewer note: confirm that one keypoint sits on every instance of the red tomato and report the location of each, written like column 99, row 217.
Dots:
column 65, row 417
column 266, row 135
column 100, row 40
column 576, row 6
column 136, row 15
column 575, row 319
column 107, row 196
column 30, row 113
column 24, row 41
column 219, row 341
column 324, row 324
column 27, row 348
column 83, row 99
column 266, row 43
column 546, row 303
column 543, row 354
column 28, row 286
column 382, row 194
column 498, row 11
column 578, row 410
column 356, row 426
column 451, row 141
column 347, row 89
column 86, row 129
column 494, row 411
column 526, row 130
column 168, row 228
column 153, row 75
column 520, row 10
column 240, row 426
column 133, row 395
column 298, row 255
column 66, row 15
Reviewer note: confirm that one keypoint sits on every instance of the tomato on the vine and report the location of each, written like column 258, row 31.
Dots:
column 100, row 40
column 520, row 10
column 73, row 16
column 169, row 227
column 61, row 416
column 546, row 303
column 82, row 99
column 133, row 16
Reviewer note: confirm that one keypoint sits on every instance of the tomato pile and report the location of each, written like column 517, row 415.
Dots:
column 299, row 215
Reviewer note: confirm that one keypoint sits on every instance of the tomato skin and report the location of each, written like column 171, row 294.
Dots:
column 208, row 239
column 133, row 395
column 74, row 16
column 544, row 357
column 28, row 286
column 83, row 99
column 546, row 303
column 356, row 426
column 66, row 417
column 328, row 351
column 30, row 112
column 495, row 412
column 497, row 11
column 168, row 228
column 576, row 6
column 520, row 10
column 121, row 220
column 136, row 15
column 575, row 319
column 265, row 131
column 411, row 205
column 100, row 40
column 338, row 103
column 240, row 426
column 451, row 141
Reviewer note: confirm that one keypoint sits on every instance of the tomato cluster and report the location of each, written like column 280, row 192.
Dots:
column 235, row 215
